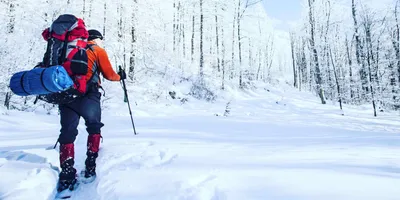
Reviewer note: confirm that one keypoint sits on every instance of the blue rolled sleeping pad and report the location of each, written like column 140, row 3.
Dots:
column 40, row 81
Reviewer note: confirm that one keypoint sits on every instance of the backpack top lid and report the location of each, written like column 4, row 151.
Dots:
column 66, row 23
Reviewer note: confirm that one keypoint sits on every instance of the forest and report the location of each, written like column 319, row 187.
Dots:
column 345, row 52
column 348, row 52
column 209, row 44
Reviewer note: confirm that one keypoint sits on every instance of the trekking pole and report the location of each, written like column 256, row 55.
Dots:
column 126, row 97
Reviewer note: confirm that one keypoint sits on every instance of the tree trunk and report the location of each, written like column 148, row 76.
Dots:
column 133, row 37
column 250, row 55
column 223, row 56
column 233, row 45
column 84, row 10
column 259, row 53
column 11, row 15
column 396, row 46
column 217, row 38
column 121, row 34
column 359, row 50
column 370, row 60
column 270, row 55
column 350, row 63
column 105, row 19
column 303, row 61
column 210, row 40
column 90, row 8
column 293, row 61
column 7, row 100
column 239, row 44
column 302, row 66
column 174, row 27
column 178, row 25
column 336, row 79
column 192, row 41
column 397, row 39
column 201, row 41
column 315, row 53
column 326, row 49
column 356, row 34
column 183, row 33
column 259, row 64
column 266, row 57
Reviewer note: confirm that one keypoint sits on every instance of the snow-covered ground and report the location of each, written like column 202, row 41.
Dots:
column 276, row 144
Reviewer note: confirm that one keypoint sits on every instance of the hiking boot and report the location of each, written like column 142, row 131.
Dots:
column 67, row 176
column 66, row 184
column 93, row 144
column 90, row 162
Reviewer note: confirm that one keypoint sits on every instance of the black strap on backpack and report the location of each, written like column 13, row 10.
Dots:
column 42, row 82
column 96, row 72
column 63, row 56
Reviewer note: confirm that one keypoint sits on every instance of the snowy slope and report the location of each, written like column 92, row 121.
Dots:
column 280, row 144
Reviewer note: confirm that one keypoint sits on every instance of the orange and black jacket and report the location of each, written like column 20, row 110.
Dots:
column 98, row 62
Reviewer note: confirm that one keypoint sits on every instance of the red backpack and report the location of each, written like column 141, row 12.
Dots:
column 66, row 45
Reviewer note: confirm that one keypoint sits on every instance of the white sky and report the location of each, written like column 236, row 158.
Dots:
column 287, row 12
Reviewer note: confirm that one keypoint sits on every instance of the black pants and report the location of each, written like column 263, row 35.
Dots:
column 87, row 107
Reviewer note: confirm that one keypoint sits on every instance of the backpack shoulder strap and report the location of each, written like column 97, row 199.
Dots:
column 91, row 47
column 96, row 72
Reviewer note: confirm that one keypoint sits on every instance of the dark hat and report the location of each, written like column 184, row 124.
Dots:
column 94, row 34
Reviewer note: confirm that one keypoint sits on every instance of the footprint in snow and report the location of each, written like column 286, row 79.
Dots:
column 145, row 159
column 22, row 156
column 201, row 188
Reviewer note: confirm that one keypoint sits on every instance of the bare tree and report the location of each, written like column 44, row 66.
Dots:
column 367, row 27
column 223, row 58
column 295, row 84
column 217, row 38
column 7, row 100
column 233, row 44
column 396, row 38
column 121, row 35
column 84, row 9
column 359, row 49
column 174, row 26
column 105, row 19
column 133, row 37
column 336, row 79
column 90, row 8
column 11, row 15
column 192, row 39
column 240, row 13
column 238, row 18
column 182, row 32
column 269, row 55
column 315, row 52
column 302, row 63
column 201, row 41
column 258, row 75
column 353, row 90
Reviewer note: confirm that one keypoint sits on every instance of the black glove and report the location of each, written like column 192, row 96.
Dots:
column 122, row 74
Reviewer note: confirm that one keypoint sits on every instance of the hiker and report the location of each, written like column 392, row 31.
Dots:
column 88, row 107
